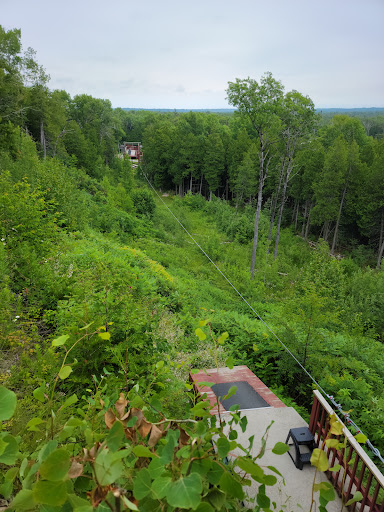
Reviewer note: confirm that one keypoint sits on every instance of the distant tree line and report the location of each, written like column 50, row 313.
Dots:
column 323, row 176
column 324, row 179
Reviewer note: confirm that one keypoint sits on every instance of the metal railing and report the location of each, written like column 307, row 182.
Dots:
column 357, row 472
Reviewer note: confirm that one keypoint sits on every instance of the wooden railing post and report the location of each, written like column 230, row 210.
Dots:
column 363, row 473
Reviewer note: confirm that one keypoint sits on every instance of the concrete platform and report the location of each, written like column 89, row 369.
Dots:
column 296, row 494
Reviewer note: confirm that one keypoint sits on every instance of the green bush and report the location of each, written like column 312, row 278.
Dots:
column 143, row 202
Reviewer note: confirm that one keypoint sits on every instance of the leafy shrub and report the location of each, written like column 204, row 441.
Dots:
column 143, row 202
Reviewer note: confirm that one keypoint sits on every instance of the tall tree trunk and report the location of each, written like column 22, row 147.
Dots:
column 308, row 222
column 280, row 215
column 335, row 234
column 201, row 184
column 286, row 171
column 262, row 176
column 256, row 231
column 275, row 199
column 295, row 215
column 325, row 230
column 305, row 218
column 381, row 242
column 190, row 183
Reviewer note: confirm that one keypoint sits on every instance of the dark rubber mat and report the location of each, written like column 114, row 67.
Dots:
column 246, row 397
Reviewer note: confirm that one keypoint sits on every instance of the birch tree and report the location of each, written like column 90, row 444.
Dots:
column 260, row 103
column 298, row 117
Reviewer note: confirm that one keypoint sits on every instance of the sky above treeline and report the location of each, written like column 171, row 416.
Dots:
column 182, row 54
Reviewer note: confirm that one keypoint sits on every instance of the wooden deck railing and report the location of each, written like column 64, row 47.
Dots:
column 361, row 474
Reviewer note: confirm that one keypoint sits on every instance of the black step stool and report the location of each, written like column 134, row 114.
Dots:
column 301, row 436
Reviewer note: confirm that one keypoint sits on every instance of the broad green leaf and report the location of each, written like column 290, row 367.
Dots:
column 115, row 436
column 270, row 479
column 47, row 449
column 262, row 500
column 143, row 451
column 79, row 504
column 56, row 465
column 69, row 401
column 223, row 446
column 216, row 498
column 201, row 466
column 185, row 492
column 336, row 468
column 9, row 452
column 361, row 438
column 332, row 443
column 156, row 468
column 85, row 327
column 215, row 473
column 108, row 467
column 233, row 435
column 172, row 440
column 243, row 423
column 203, row 323
column 231, row 486
column 50, row 492
column 200, row 334
column 6, row 489
column 11, row 474
column 142, row 484
column 272, row 468
column 23, row 501
column 328, row 494
column 250, row 467
column 60, row 340
column 160, row 486
column 222, row 338
column 104, row 335
column 23, row 467
column 356, row 497
column 229, row 362
column 65, row 372
column 129, row 504
column 39, row 394
column 8, row 402
column 319, row 460
column 3, row 446
column 159, row 365
column 322, row 486
column 231, row 392
column 280, row 448
column 32, row 424
column 194, row 371
column 336, row 427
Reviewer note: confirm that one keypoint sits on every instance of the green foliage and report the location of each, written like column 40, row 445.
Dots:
column 108, row 452
column 143, row 202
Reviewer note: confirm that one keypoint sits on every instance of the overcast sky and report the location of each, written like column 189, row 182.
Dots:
column 179, row 54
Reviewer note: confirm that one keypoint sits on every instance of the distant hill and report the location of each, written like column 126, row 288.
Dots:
column 362, row 110
column 333, row 111
column 183, row 110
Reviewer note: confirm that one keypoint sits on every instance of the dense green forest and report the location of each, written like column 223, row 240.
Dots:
column 102, row 290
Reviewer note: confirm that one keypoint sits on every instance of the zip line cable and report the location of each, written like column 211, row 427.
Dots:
column 330, row 397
